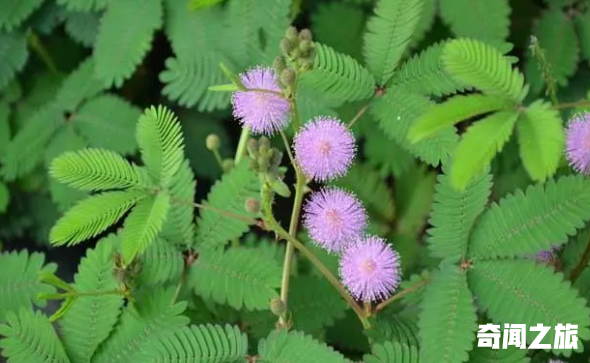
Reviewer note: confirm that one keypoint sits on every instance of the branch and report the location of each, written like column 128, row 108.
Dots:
column 382, row 305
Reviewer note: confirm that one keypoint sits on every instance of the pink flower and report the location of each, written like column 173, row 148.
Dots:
column 324, row 148
column 578, row 143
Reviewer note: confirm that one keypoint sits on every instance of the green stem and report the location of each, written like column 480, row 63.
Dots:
column 399, row 295
column 358, row 116
column 582, row 264
column 242, row 144
column 274, row 225
column 572, row 104
column 218, row 158
column 43, row 54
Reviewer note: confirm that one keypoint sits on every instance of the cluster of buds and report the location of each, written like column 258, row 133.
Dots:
column 266, row 160
column 297, row 49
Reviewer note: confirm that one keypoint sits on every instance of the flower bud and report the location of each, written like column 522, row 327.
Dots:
column 287, row 77
column 252, row 147
column 252, row 205
column 212, row 142
column 277, row 306
column 291, row 33
column 228, row 164
column 305, row 34
column 279, row 64
column 286, row 46
column 279, row 187
column 263, row 144
column 305, row 46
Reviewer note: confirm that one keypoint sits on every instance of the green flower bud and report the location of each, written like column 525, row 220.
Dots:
column 305, row 34
column 263, row 144
column 252, row 147
column 287, row 77
column 286, row 46
column 252, row 205
column 305, row 46
column 228, row 164
column 212, row 142
column 277, row 306
column 279, row 187
column 291, row 33
column 279, row 64
column 306, row 63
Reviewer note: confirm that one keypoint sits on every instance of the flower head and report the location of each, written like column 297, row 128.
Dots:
column 334, row 218
column 324, row 148
column 370, row 269
column 264, row 112
column 578, row 143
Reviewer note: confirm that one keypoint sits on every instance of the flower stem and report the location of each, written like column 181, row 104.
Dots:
column 274, row 225
column 242, row 144
column 572, row 104
column 37, row 46
column 224, row 213
column 399, row 295
column 358, row 115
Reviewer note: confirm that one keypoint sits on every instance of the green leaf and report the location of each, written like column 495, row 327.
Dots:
column 275, row 18
column 228, row 194
column 90, row 319
column 144, row 224
column 95, row 169
column 448, row 318
column 582, row 25
column 524, row 292
column 179, row 226
column 454, row 213
column 84, row 5
column 240, row 277
column 19, row 283
column 479, row 145
column 283, row 346
column 510, row 355
column 398, row 110
column 14, row 12
column 393, row 328
column 29, row 337
column 116, row 33
column 161, row 262
column 153, row 313
column 197, row 343
column 14, row 55
column 83, row 27
column 523, row 224
column 4, row 197
column 338, row 77
column 475, row 63
column 452, row 111
column 541, row 138
column 388, row 33
column 18, row 161
column 203, row 4
column 556, row 35
column 91, row 216
column 488, row 21
column 160, row 140
column 392, row 352
column 425, row 73
column 80, row 85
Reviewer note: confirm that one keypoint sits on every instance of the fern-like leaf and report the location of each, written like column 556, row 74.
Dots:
column 19, row 283
column 448, row 319
column 80, row 85
column 454, row 213
column 284, row 346
column 392, row 352
column 115, row 33
column 453, row 111
column 398, row 110
column 179, row 227
column 82, row 27
column 488, row 21
column 388, row 33
column 477, row 64
column 541, row 138
column 229, row 194
column 238, row 277
column 84, row 5
column 338, row 77
column 197, row 343
column 108, row 121
column 479, row 145
column 525, row 292
column 161, row 262
column 30, row 338
column 144, row 224
column 95, row 169
column 276, row 15
column 91, row 216
column 153, row 313
column 523, row 224
column 14, row 55
column 14, row 12
column 511, row 354
column 425, row 74
column 91, row 318
column 161, row 142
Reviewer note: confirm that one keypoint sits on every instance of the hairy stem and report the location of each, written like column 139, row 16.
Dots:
column 400, row 294
column 242, row 144
column 274, row 225
column 577, row 271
